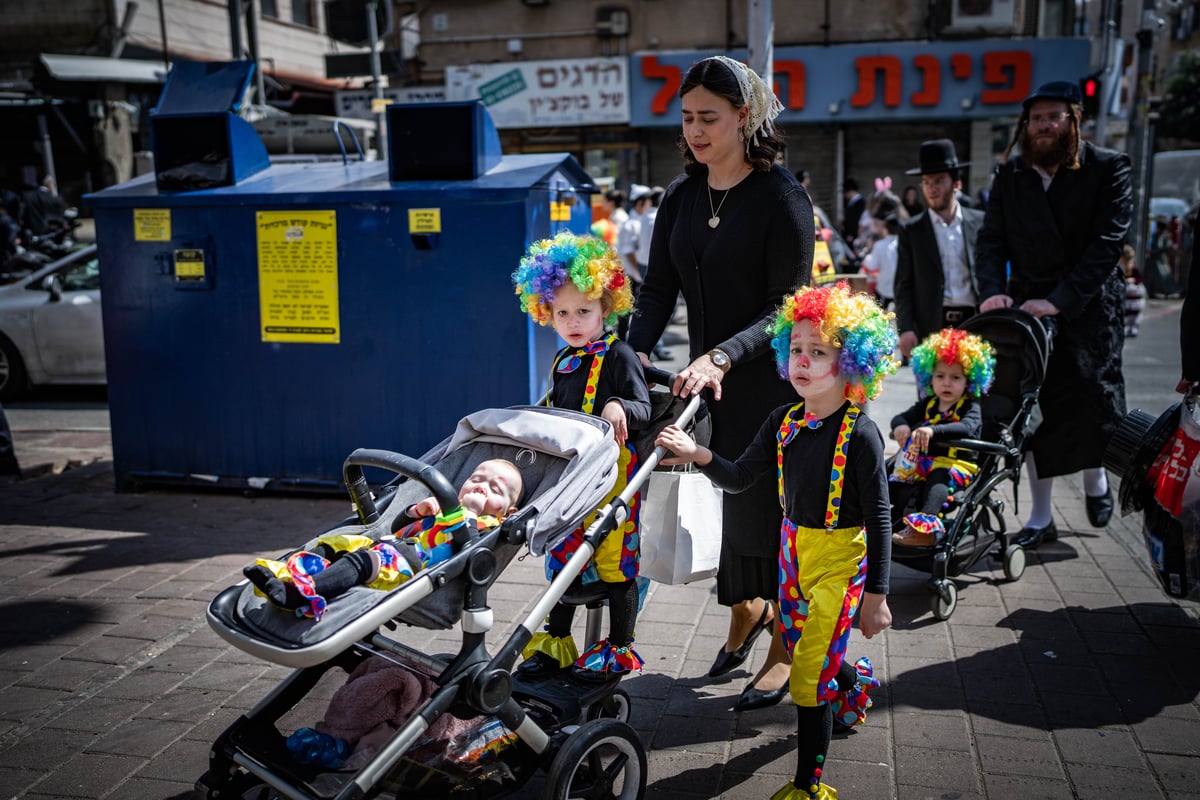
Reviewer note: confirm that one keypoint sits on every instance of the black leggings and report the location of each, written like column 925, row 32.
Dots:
column 622, row 614
column 931, row 494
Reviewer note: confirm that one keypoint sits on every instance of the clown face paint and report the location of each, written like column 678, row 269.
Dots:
column 813, row 366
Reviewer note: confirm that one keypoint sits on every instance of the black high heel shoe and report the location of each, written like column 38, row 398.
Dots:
column 752, row 698
column 727, row 661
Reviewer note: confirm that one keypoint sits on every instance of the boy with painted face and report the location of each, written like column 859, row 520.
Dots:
column 826, row 455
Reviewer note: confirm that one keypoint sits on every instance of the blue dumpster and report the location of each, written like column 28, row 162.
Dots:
column 259, row 330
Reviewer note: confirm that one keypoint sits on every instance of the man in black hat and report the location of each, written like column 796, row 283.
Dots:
column 1058, row 214
column 935, row 285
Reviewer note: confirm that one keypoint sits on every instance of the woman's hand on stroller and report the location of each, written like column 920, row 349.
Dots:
column 697, row 376
column 682, row 446
column 614, row 412
column 875, row 616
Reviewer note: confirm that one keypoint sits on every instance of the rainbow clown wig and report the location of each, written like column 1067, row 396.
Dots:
column 853, row 322
column 586, row 261
column 950, row 346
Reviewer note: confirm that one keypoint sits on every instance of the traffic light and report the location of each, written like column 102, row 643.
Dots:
column 1089, row 87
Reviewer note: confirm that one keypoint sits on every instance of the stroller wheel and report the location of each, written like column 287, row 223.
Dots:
column 945, row 598
column 603, row 758
column 615, row 706
column 1014, row 562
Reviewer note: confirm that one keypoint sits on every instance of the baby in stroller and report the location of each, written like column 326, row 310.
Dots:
column 309, row 578
column 953, row 369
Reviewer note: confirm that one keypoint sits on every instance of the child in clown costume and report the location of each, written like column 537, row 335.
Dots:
column 826, row 455
column 577, row 284
column 953, row 369
column 309, row 578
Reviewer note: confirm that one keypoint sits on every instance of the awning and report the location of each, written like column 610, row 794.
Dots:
column 107, row 70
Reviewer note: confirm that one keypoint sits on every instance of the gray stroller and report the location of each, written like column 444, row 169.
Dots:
column 577, row 732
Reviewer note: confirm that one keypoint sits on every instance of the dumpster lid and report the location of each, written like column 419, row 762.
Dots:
column 205, row 87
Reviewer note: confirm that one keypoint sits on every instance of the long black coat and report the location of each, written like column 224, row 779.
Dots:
column 1063, row 244
column 920, row 282
column 732, row 278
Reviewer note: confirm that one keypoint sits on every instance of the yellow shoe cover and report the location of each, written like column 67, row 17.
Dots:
column 561, row 649
column 790, row 792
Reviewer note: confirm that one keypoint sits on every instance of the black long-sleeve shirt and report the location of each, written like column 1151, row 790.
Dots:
column 621, row 379
column 969, row 425
column 806, row 465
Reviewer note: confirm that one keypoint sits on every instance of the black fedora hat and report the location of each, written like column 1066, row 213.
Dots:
column 1055, row 90
column 937, row 155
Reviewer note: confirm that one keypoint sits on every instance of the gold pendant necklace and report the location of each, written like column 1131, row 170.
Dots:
column 715, row 220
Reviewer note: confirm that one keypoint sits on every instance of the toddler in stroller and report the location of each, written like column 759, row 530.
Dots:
column 513, row 725
column 953, row 369
column 303, row 583
column 973, row 518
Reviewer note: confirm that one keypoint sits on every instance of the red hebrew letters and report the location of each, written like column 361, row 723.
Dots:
column 930, row 93
column 868, row 67
column 960, row 66
column 794, row 70
column 1012, row 70
column 672, row 78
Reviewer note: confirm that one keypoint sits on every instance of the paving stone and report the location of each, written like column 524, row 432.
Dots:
column 142, row 738
column 1029, row 757
column 89, row 775
column 947, row 771
column 1176, row 773
column 1103, row 780
column 937, row 731
column 1170, row 735
column 1114, row 748
column 22, row 703
column 1026, row 788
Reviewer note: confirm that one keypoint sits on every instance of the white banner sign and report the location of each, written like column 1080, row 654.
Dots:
column 545, row 94
column 356, row 104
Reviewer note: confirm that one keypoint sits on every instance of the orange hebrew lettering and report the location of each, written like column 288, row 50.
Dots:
column 1012, row 70
column 868, row 67
column 794, row 70
column 930, row 93
column 671, row 77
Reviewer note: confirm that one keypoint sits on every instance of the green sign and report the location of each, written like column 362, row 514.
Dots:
column 502, row 88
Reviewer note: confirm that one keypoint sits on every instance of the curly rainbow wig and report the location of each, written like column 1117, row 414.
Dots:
column 586, row 261
column 951, row 346
column 852, row 322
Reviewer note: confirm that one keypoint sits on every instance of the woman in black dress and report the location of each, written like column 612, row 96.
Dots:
column 734, row 235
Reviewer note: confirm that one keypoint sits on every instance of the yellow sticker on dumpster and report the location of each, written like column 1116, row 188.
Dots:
column 152, row 224
column 560, row 212
column 424, row 220
column 189, row 266
column 297, row 276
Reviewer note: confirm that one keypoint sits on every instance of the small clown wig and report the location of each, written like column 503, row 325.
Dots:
column 586, row 261
column 951, row 346
column 852, row 322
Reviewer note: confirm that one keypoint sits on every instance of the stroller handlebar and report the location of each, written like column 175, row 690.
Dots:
column 360, row 492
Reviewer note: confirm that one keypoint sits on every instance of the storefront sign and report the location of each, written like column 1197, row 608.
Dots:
column 975, row 79
column 546, row 94
column 357, row 104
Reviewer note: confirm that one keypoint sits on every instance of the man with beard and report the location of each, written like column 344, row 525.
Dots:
column 935, row 287
column 1058, row 215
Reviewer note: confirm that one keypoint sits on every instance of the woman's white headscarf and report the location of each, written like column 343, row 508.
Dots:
column 761, row 101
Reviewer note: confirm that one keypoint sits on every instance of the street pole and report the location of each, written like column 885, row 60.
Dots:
column 1108, row 28
column 1139, row 132
column 377, row 106
column 760, row 35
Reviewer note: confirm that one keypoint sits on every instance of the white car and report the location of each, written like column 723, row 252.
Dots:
column 51, row 330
